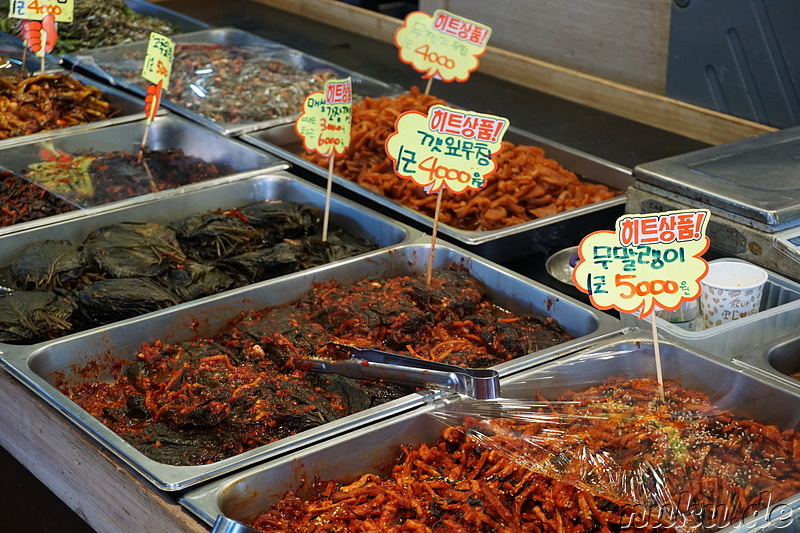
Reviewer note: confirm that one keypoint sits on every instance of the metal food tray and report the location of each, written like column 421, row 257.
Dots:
column 165, row 132
column 34, row 365
column 119, row 57
column 778, row 359
column 244, row 495
column 167, row 208
column 504, row 244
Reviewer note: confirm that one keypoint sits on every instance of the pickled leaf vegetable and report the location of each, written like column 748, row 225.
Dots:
column 110, row 300
column 194, row 257
column 133, row 249
column 47, row 265
column 34, row 315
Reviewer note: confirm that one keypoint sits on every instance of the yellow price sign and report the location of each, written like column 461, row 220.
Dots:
column 325, row 121
column 157, row 65
column 445, row 45
column 650, row 260
column 446, row 148
column 38, row 9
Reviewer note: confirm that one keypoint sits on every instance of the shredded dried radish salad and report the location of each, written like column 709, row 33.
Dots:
column 527, row 184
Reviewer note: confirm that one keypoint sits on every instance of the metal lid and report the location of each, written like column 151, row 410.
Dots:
column 757, row 178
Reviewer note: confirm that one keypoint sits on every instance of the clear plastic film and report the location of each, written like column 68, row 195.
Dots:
column 232, row 78
column 589, row 425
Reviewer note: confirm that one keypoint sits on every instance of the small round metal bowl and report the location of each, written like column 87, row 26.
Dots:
column 560, row 264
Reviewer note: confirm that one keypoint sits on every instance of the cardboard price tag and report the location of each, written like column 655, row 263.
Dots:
column 324, row 124
column 158, row 60
column 444, row 46
column 446, row 148
column 38, row 9
column 651, row 259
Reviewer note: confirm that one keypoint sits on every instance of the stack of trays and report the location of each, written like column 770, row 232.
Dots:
column 245, row 495
column 502, row 245
column 778, row 359
column 37, row 364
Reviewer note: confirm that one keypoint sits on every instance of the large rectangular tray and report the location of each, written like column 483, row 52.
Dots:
column 506, row 244
column 35, row 365
column 122, row 56
column 165, row 208
column 778, row 359
column 243, row 495
column 165, row 132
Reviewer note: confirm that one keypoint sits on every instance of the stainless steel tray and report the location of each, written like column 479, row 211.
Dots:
column 242, row 496
column 129, row 57
column 165, row 208
column 778, row 359
column 165, row 132
column 34, row 365
column 502, row 244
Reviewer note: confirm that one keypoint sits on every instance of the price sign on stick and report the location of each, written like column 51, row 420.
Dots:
column 60, row 10
column 156, row 69
column 447, row 148
column 650, row 260
column 324, row 126
column 444, row 46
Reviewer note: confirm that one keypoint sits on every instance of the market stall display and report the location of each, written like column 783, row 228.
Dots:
column 96, row 167
column 102, row 354
column 532, row 460
column 231, row 80
column 108, row 267
column 98, row 23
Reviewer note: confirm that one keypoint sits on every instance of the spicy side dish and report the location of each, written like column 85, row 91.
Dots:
column 719, row 468
column 527, row 184
column 201, row 401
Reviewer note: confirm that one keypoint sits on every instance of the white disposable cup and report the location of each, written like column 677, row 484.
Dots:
column 731, row 290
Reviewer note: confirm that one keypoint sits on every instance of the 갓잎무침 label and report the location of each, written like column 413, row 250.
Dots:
column 446, row 148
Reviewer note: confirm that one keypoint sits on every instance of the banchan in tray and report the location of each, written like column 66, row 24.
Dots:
column 165, row 209
column 230, row 80
column 180, row 24
column 506, row 244
column 35, row 365
column 244, row 495
column 128, row 107
column 228, row 155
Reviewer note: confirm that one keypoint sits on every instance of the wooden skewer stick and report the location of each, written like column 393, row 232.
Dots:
column 326, row 216
column 433, row 236
column 428, row 86
column 657, row 351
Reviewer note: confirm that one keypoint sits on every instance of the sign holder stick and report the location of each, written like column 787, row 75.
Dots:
column 328, row 197
column 428, row 86
column 44, row 40
column 433, row 236
column 22, row 69
column 657, row 352
column 143, row 144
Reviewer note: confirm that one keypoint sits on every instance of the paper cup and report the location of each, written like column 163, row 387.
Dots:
column 731, row 290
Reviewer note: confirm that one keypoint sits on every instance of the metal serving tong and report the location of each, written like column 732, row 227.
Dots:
column 479, row 383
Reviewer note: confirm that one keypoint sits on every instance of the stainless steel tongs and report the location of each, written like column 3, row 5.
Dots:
column 479, row 383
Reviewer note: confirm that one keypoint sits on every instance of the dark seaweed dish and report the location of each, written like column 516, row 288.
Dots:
column 127, row 269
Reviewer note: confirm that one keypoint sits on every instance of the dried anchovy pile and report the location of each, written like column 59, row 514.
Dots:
column 233, row 84
column 99, row 23
column 48, row 101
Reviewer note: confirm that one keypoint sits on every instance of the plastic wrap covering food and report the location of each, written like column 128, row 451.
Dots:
column 131, row 268
column 681, row 463
column 90, row 178
column 48, row 101
column 576, row 454
column 526, row 185
column 203, row 400
column 232, row 84
column 100, row 23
